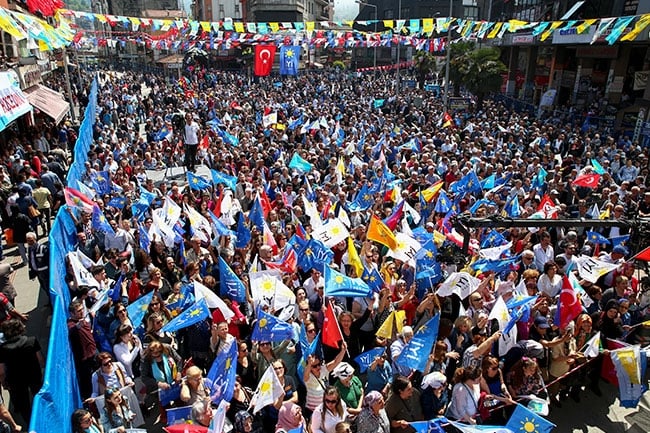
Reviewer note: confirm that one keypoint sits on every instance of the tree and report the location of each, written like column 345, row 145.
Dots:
column 425, row 63
column 478, row 70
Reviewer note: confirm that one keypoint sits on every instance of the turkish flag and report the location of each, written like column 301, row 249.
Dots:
column 548, row 207
column 264, row 56
column 331, row 332
column 569, row 307
column 265, row 202
column 590, row 180
column 288, row 264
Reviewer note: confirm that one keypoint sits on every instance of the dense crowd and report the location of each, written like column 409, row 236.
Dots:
column 358, row 136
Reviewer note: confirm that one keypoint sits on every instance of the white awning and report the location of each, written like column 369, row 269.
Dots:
column 48, row 101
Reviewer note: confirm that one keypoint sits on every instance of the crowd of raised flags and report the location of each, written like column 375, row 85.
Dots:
column 375, row 198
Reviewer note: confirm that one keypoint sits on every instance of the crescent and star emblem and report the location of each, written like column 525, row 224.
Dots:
column 265, row 55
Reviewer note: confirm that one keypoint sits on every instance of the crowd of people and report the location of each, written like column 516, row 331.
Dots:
column 354, row 136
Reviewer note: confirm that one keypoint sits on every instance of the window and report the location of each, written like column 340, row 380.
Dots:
column 7, row 45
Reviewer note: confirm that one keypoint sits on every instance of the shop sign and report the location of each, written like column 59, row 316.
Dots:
column 597, row 52
column 522, row 39
column 571, row 36
column 29, row 75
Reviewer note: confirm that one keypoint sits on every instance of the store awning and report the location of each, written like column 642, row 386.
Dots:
column 13, row 102
column 48, row 101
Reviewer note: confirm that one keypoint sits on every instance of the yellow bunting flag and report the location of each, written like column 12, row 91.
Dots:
column 550, row 30
column 389, row 23
column 310, row 25
column 392, row 325
column 639, row 26
column 516, row 25
column 274, row 26
column 239, row 27
column 585, row 25
column 427, row 25
column 495, row 31
column 205, row 25
column 431, row 192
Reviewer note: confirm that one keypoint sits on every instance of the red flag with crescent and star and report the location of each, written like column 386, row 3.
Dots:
column 569, row 306
column 264, row 56
column 589, row 180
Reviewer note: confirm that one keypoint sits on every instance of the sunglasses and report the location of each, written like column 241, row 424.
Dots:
column 107, row 364
column 265, row 344
column 331, row 401
column 311, row 331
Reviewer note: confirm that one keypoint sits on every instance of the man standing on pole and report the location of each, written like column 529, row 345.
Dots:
column 192, row 138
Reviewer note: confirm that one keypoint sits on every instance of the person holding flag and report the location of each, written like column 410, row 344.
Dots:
column 315, row 378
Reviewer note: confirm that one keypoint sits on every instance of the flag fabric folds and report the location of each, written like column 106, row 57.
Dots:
column 137, row 308
column 269, row 328
column 195, row 314
column 337, row 284
column 366, row 358
column 299, row 164
column 331, row 335
column 230, row 284
column 597, row 238
column 569, row 306
column 460, row 283
column 378, row 232
column 373, row 279
column 197, row 182
column 269, row 389
column 289, row 59
column 264, row 57
column 222, row 374
column 630, row 364
column 523, row 420
column 414, row 355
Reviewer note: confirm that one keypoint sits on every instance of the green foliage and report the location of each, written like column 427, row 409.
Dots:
column 338, row 64
column 478, row 70
column 78, row 5
column 424, row 63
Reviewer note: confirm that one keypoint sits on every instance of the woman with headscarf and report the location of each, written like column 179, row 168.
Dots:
column 289, row 417
column 244, row 423
column 350, row 388
column 373, row 418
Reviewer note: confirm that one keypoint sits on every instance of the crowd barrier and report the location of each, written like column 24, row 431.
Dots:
column 59, row 396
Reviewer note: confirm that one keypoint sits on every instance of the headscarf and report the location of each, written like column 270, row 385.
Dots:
column 371, row 398
column 240, row 418
column 343, row 371
column 287, row 416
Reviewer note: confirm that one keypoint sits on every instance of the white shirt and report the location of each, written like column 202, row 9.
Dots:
column 192, row 133
column 542, row 256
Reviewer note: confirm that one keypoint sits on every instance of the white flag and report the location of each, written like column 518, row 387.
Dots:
column 494, row 253
column 312, row 213
column 591, row 269
column 270, row 119
column 81, row 274
column 170, row 212
column 268, row 287
column 268, row 390
column 211, row 298
column 406, row 249
column 592, row 347
column 501, row 314
column 331, row 233
column 460, row 283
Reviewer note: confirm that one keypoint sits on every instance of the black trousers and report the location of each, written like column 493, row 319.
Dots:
column 190, row 156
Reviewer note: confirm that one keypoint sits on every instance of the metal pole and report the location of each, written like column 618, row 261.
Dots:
column 67, row 84
column 448, row 48
column 374, row 59
column 399, row 17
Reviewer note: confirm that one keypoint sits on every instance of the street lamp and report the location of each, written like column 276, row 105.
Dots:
column 374, row 59
column 448, row 48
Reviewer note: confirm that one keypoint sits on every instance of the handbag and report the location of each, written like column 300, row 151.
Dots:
column 33, row 212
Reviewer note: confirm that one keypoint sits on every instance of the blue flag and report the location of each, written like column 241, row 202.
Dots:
column 256, row 215
column 524, row 420
column 337, row 284
column 223, row 373
column 597, row 238
column 480, row 203
column 99, row 221
column 496, row 266
column 432, row 426
column 195, row 314
column 512, row 208
column 197, row 182
column 493, row 239
column 443, row 204
column 219, row 226
column 415, row 354
column 166, row 396
column 185, row 299
column 219, row 177
column 230, row 284
column 269, row 328
column 143, row 235
column 296, row 123
column 162, row 134
column 117, row 202
column 115, row 292
column 307, row 349
column 314, row 255
column 138, row 308
column 101, row 181
column 373, row 279
column 366, row 358
column 539, row 180
column 364, row 199
column 619, row 240
column 299, row 164
column 243, row 234
column 598, row 169
column 289, row 59
column 488, row 182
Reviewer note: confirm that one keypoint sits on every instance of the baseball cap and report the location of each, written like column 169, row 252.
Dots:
column 542, row 322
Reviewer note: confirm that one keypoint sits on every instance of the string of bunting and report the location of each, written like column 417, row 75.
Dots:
column 408, row 32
